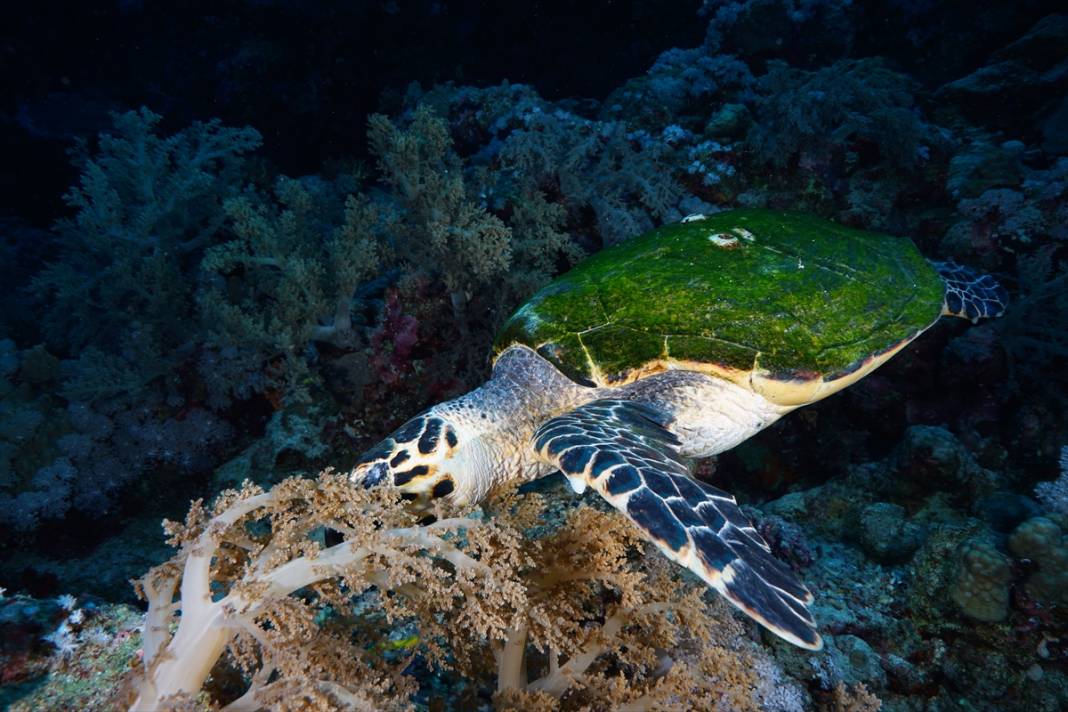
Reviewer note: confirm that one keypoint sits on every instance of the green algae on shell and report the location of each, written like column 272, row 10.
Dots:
column 757, row 296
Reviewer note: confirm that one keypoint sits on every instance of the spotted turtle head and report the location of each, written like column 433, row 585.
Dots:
column 422, row 458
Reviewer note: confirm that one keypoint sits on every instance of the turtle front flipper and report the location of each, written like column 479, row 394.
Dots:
column 970, row 295
column 624, row 451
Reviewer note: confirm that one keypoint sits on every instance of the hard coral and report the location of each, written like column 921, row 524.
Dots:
column 1044, row 541
column 90, row 651
column 981, row 588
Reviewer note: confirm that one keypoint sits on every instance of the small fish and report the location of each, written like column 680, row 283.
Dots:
column 400, row 643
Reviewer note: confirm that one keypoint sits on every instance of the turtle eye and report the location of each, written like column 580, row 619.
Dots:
column 379, row 452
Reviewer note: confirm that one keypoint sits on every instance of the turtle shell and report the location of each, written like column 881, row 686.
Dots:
column 790, row 305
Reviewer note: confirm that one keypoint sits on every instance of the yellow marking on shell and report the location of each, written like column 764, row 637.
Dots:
column 660, row 365
column 596, row 374
column 781, row 392
column 797, row 393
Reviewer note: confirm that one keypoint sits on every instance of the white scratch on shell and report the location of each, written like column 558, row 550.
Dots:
column 722, row 239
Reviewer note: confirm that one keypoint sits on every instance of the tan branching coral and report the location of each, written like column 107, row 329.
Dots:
column 851, row 699
column 251, row 577
column 257, row 611
column 444, row 226
column 299, row 270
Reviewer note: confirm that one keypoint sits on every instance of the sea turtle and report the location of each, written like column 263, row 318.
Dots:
column 680, row 344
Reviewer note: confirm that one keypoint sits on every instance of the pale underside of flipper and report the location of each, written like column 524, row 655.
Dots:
column 623, row 450
column 971, row 295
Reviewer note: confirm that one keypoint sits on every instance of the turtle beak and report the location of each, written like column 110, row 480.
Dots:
column 373, row 466
column 369, row 474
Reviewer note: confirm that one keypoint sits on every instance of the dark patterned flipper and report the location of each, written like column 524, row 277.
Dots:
column 970, row 295
column 623, row 450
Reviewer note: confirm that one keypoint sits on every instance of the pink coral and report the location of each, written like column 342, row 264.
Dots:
column 393, row 342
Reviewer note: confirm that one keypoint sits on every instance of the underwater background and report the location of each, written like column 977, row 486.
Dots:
column 242, row 241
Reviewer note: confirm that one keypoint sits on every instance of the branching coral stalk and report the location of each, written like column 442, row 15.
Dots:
column 255, row 590
column 604, row 627
column 561, row 677
column 179, row 663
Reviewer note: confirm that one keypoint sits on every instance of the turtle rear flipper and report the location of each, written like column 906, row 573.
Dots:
column 969, row 294
column 623, row 450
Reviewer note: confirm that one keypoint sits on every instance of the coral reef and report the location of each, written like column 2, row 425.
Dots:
column 811, row 116
column 255, row 285
column 212, row 305
column 680, row 85
column 885, row 533
column 1030, row 72
column 84, row 648
column 965, row 580
column 555, row 619
column 56, row 460
column 289, row 277
column 596, row 165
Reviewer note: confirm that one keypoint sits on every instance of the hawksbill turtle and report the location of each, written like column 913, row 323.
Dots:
column 676, row 345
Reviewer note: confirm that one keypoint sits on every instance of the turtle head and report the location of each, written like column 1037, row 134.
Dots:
column 426, row 458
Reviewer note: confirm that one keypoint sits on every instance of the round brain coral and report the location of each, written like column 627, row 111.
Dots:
column 981, row 588
column 1044, row 540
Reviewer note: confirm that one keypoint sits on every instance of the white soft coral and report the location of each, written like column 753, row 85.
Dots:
column 1054, row 495
column 64, row 639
